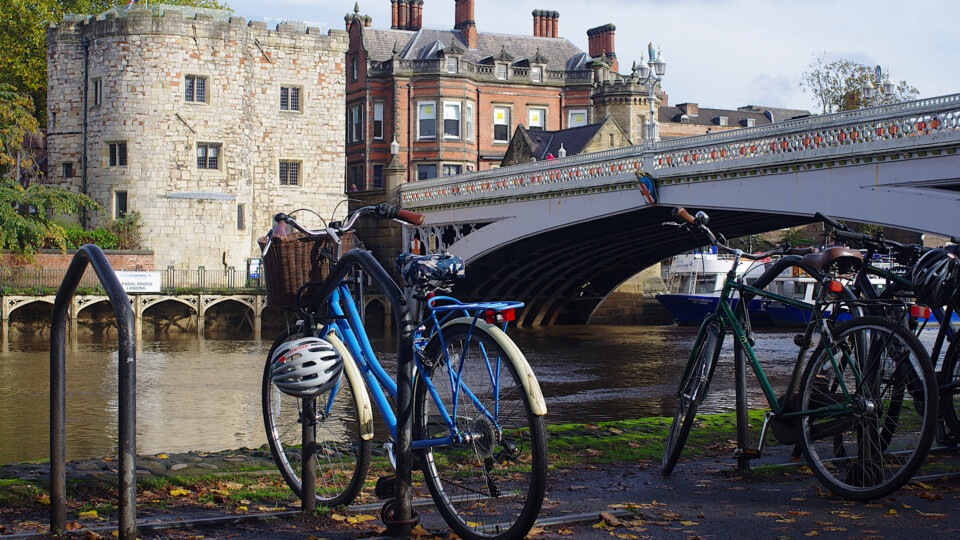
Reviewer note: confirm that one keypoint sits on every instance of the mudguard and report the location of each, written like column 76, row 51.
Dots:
column 357, row 384
column 527, row 378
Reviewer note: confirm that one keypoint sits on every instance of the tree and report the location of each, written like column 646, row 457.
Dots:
column 16, row 122
column 23, row 43
column 838, row 85
column 26, row 215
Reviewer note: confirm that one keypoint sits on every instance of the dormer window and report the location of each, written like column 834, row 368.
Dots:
column 502, row 72
column 722, row 121
column 453, row 65
column 536, row 74
column 749, row 122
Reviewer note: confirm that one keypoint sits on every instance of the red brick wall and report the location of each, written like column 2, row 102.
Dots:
column 60, row 261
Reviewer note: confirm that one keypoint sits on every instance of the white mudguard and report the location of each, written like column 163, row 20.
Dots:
column 527, row 378
column 358, row 386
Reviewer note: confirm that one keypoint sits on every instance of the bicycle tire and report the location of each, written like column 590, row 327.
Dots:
column 950, row 388
column 876, row 445
column 343, row 455
column 492, row 485
column 693, row 389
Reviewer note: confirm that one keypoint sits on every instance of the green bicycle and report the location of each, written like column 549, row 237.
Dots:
column 863, row 406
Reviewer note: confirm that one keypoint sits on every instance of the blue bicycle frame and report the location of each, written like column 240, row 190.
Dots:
column 348, row 325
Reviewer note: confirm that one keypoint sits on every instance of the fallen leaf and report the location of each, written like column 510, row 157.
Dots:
column 73, row 525
column 234, row 486
column 609, row 519
column 689, row 523
column 43, row 498
column 812, row 533
column 92, row 514
column 338, row 517
column 162, row 456
column 931, row 514
column 180, row 491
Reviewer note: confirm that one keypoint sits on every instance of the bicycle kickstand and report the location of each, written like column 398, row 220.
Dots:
column 744, row 455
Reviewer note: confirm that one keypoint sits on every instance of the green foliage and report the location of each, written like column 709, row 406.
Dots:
column 838, row 85
column 23, row 45
column 127, row 231
column 26, row 222
column 16, row 122
column 76, row 236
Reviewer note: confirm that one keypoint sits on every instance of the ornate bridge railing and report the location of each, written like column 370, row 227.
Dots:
column 924, row 125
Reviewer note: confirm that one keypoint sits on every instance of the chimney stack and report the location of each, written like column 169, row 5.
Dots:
column 545, row 23
column 416, row 14
column 464, row 22
column 394, row 15
column 601, row 41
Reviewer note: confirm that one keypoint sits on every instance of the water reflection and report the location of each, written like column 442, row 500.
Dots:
column 205, row 394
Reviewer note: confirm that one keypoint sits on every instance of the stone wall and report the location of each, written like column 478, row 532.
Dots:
column 192, row 215
column 634, row 301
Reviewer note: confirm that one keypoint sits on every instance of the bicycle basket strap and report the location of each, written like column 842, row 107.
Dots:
column 422, row 268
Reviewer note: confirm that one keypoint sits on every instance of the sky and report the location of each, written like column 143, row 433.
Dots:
column 720, row 54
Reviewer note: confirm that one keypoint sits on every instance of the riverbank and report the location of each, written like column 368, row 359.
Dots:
column 611, row 467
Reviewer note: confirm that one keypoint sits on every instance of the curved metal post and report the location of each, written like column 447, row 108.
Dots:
column 92, row 255
column 402, row 521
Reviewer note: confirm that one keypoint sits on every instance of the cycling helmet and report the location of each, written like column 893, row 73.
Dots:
column 936, row 277
column 306, row 367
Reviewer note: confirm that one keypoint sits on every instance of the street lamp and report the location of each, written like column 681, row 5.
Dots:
column 651, row 73
column 886, row 88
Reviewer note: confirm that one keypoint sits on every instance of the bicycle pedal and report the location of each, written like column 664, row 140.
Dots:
column 749, row 453
column 386, row 487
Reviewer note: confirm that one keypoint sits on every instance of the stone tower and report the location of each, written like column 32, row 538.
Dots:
column 205, row 124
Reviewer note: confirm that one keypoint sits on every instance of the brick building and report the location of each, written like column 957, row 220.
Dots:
column 452, row 98
column 205, row 124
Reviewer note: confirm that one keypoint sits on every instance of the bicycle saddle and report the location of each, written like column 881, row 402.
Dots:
column 422, row 268
column 843, row 260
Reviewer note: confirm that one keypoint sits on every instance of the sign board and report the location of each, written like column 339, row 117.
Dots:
column 139, row 282
column 253, row 268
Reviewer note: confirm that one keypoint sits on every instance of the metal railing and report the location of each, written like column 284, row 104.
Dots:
column 43, row 280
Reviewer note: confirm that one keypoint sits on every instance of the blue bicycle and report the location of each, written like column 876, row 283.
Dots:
column 478, row 430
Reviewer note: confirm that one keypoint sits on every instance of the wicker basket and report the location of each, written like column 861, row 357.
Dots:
column 294, row 260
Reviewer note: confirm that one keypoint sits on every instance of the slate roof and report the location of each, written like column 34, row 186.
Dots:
column 548, row 142
column 708, row 117
column 379, row 44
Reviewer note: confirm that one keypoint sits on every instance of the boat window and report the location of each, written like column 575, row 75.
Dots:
column 706, row 284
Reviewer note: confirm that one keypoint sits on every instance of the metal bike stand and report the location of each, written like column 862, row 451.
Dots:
column 400, row 509
column 308, row 465
column 127, row 382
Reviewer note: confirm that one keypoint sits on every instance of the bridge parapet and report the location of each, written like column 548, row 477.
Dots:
column 923, row 125
column 926, row 123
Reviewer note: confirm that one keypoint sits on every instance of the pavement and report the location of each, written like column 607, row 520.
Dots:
column 703, row 498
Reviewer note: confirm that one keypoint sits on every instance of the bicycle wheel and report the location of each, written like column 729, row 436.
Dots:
column 950, row 388
column 869, row 402
column 490, row 485
column 693, row 388
column 342, row 454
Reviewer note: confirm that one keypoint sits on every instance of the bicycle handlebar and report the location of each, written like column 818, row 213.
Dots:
column 334, row 230
column 700, row 220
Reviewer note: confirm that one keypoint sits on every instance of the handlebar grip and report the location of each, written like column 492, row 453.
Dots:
column 802, row 251
column 412, row 218
column 683, row 214
column 830, row 221
column 850, row 235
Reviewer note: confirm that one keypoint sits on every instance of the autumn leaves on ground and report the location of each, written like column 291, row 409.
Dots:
column 594, row 467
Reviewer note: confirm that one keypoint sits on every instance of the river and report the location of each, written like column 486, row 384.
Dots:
column 204, row 394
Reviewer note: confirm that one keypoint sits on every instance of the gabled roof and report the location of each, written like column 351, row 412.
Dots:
column 573, row 140
column 563, row 55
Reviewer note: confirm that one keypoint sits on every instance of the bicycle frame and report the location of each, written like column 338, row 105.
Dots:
column 347, row 323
